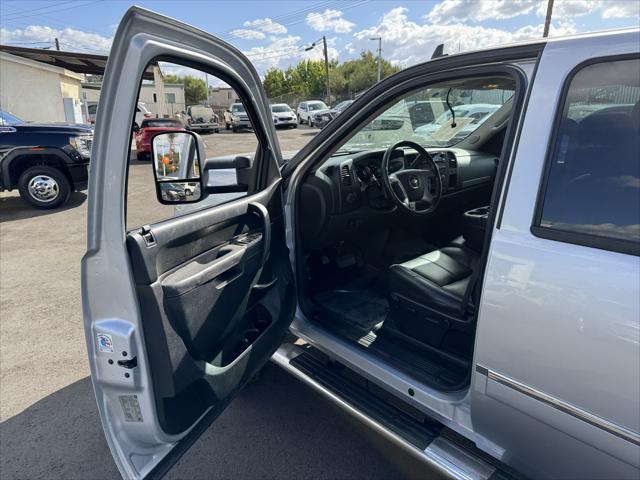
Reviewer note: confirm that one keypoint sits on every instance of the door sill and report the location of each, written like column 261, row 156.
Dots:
column 439, row 448
column 449, row 408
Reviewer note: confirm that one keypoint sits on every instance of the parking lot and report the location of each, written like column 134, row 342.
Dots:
column 50, row 426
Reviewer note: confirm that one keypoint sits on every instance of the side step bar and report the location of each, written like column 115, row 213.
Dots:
column 417, row 434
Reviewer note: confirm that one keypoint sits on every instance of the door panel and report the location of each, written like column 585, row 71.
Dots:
column 178, row 314
column 212, row 302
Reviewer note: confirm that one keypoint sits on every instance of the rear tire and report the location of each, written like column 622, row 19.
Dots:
column 227, row 126
column 44, row 187
column 234, row 129
column 310, row 122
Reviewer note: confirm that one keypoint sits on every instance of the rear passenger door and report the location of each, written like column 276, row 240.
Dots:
column 556, row 386
column 183, row 302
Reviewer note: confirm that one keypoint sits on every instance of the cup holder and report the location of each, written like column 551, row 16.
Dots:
column 474, row 223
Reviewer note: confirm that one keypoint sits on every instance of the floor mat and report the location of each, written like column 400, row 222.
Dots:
column 363, row 309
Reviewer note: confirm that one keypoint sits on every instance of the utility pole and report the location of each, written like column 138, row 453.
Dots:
column 326, row 63
column 206, row 81
column 57, row 44
column 547, row 20
column 326, row 68
column 379, row 39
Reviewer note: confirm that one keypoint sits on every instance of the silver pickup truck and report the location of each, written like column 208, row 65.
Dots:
column 471, row 293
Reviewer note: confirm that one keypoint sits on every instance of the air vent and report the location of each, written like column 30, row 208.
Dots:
column 345, row 175
column 453, row 162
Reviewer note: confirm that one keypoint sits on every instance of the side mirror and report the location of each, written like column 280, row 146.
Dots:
column 177, row 158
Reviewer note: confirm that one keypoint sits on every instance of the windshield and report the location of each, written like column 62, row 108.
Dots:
column 317, row 106
column 280, row 108
column 237, row 108
column 201, row 111
column 425, row 118
column 8, row 119
column 161, row 123
column 342, row 105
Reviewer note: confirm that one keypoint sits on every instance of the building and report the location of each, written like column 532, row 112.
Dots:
column 164, row 100
column 221, row 98
column 39, row 92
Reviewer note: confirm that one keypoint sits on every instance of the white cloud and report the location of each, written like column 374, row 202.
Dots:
column 406, row 42
column 282, row 51
column 266, row 25
column 247, row 34
column 69, row 38
column 329, row 20
column 606, row 8
column 455, row 11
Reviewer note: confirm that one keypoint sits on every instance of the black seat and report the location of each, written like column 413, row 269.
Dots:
column 428, row 293
column 437, row 280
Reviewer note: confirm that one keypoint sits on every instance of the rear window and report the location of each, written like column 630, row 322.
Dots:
column 237, row 108
column 592, row 188
column 161, row 123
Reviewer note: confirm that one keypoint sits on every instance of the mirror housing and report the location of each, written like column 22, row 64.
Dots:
column 177, row 158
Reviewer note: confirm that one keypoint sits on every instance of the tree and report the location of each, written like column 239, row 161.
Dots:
column 307, row 78
column 275, row 83
column 195, row 89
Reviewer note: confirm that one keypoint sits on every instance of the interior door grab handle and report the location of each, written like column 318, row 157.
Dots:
column 261, row 210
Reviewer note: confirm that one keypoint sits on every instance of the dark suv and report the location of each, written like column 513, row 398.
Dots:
column 45, row 162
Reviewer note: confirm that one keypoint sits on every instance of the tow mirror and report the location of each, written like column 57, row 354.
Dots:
column 177, row 158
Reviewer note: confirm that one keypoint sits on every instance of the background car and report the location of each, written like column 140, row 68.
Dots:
column 323, row 117
column 239, row 117
column 201, row 118
column 284, row 116
column 307, row 108
column 142, row 112
column 149, row 128
column 45, row 162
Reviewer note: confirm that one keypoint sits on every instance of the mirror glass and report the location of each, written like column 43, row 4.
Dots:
column 177, row 166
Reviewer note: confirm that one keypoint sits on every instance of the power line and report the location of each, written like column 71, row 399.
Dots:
column 47, row 12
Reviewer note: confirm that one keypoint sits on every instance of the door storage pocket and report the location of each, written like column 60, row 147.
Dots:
column 205, row 298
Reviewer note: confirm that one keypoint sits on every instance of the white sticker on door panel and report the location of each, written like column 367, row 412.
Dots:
column 105, row 343
column 131, row 408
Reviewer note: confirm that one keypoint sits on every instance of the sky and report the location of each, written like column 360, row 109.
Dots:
column 275, row 33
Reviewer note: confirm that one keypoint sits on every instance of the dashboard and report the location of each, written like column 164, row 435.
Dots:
column 347, row 190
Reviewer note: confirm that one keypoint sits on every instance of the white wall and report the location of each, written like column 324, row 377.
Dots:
column 33, row 91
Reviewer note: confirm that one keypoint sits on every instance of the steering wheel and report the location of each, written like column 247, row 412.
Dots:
column 409, row 188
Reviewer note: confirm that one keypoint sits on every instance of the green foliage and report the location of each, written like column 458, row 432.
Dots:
column 307, row 78
column 195, row 89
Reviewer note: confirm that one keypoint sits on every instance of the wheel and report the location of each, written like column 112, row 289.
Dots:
column 44, row 187
column 310, row 122
column 234, row 129
column 217, row 130
column 227, row 126
column 295, row 126
column 141, row 156
column 300, row 120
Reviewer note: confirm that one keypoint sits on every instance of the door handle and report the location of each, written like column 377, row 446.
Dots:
column 261, row 211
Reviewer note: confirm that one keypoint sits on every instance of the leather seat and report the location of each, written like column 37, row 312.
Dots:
column 437, row 280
